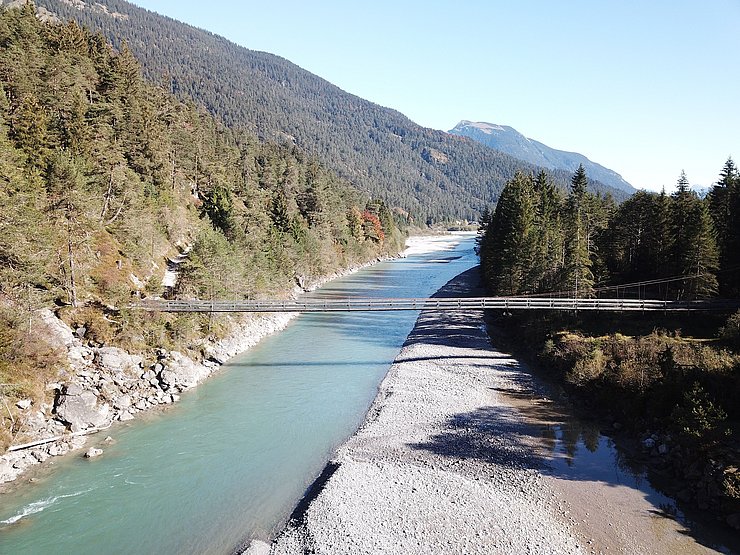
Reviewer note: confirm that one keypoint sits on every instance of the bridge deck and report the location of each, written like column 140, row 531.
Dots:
column 438, row 304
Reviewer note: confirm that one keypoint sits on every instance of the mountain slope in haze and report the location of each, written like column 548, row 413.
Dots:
column 430, row 174
column 508, row 140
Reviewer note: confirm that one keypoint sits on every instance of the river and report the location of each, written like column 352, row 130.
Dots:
column 229, row 461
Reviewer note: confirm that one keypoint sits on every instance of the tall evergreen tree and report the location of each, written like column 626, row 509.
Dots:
column 693, row 248
column 703, row 258
column 577, row 275
column 509, row 242
column 548, row 243
column 724, row 206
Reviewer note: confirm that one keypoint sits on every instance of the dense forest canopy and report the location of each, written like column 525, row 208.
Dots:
column 677, row 246
column 429, row 174
column 102, row 175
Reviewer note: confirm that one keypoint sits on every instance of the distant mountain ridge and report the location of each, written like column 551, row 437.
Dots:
column 430, row 174
column 508, row 140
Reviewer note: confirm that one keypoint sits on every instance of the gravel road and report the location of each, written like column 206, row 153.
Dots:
column 441, row 464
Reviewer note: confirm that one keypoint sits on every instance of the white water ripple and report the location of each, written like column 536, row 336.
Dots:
column 38, row 506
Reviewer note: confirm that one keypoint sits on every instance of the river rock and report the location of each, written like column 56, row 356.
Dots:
column 184, row 373
column 113, row 359
column 57, row 449
column 79, row 356
column 93, row 452
column 80, row 409
column 77, row 441
column 6, row 470
column 73, row 389
column 125, row 416
column 167, row 379
column 40, row 455
column 258, row 547
column 122, row 403
column 24, row 404
column 648, row 443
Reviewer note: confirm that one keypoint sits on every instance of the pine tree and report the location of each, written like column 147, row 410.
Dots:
column 694, row 251
column 577, row 275
column 548, row 242
column 483, row 222
column 724, row 207
column 702, row 260
column 510, row 239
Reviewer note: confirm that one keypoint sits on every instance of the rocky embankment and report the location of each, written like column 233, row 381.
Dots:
column 100, row 385
column 103, row 384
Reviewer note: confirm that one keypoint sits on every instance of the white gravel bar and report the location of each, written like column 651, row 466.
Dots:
column 441, row 465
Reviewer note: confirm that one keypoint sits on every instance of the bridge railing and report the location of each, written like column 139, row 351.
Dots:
column 434, row 303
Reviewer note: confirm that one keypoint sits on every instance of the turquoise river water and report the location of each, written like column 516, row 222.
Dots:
column 230, row 460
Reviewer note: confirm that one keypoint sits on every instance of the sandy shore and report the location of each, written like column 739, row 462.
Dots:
column 448, row 461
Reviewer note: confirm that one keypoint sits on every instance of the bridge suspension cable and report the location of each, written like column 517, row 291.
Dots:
column 435, row 304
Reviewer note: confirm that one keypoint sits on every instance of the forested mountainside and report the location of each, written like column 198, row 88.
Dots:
column 430, row 174
column 507, row 139
column 102, row 175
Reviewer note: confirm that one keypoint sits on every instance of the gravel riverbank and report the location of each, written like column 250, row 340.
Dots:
column 440, row 464
column 452, row 460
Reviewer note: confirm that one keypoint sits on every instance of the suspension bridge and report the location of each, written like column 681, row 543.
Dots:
column 507, row 304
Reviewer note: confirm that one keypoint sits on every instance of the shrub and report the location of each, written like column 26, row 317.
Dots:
column 698, row 419
column 588, row 368
column 730, row 333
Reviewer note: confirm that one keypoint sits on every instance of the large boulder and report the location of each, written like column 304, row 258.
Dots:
column 80, row 409
column 58, row 334
column 181, row 372
column 115, row 360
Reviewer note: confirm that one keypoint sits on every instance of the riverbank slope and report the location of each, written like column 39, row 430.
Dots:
column 97, row 385
column 446, row 463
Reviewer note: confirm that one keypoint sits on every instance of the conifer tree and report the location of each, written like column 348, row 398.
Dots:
column 702, row 260
column 694, row 250
column 510, row 238
column 548, row 242
column 577, row 275
column 724, row 207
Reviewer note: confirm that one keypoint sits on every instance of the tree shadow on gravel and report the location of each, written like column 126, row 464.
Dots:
column 489, row 435
column 544, row 439
column 522, row 428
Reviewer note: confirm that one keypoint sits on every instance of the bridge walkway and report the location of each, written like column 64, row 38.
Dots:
column 436, row 304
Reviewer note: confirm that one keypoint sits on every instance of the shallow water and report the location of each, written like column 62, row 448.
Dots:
column 578, row 453
column 233, row 457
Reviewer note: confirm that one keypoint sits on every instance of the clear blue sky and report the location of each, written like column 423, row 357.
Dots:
column 645, row 87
